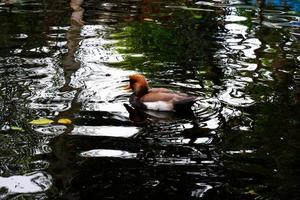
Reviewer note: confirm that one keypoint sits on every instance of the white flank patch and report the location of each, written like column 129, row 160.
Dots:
column 159, row 105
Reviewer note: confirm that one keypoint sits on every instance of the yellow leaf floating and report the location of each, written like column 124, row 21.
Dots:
column 251, row 192
column 64, row 121
column 42, row 121
column 15, row 128
column 148, row 19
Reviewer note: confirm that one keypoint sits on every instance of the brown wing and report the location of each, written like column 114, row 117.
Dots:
column 164, row 96
column 164, row 90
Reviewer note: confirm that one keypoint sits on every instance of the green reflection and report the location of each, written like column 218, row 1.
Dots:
column 184, row 41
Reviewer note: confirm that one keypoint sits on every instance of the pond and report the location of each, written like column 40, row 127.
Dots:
column 71, row 60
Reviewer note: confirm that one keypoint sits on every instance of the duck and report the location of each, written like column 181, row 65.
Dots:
column 157, row 99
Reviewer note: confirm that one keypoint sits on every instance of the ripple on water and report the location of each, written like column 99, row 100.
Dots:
column 50, row 129
column 110, row 153
column 207, row 111
column 27, row 183
column 105, row 131
column 203, row 140
column 177, row 156
column 103, row 88
column 50, row 99
column 95, row 48
column 20, row 36
column 234, row 18
column 237, row 29
column 247, row 66
column 201, row 190
column 235, row 95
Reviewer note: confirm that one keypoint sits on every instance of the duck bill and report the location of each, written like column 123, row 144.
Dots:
column 127, row 88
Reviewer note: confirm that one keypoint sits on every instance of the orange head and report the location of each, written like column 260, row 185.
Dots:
column 138, row 84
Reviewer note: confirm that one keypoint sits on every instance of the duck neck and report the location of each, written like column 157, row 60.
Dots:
column 141, row 91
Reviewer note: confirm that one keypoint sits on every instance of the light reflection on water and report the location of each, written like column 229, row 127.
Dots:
column 109, row 153
column 105, row 131
column 239, row 59
column 30, row 183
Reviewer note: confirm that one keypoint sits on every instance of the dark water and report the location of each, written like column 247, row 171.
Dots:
column 241, row 58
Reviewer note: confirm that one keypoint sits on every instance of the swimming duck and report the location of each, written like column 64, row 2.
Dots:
column 159, row 99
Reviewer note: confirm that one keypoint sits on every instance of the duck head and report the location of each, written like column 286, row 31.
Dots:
column 138, row 84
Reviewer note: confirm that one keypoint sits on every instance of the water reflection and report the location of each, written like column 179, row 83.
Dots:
column 109, row 153
column 29, row 183
column 105, row 131
column 59, row 60
column 198, row 193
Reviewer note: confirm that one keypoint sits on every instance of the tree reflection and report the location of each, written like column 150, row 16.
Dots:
column 182, row 39
column 262, row 153
column 70, row 65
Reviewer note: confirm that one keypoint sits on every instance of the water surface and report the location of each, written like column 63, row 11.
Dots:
column 60, row 60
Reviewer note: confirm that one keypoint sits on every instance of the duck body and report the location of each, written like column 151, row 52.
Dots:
column 158, row 99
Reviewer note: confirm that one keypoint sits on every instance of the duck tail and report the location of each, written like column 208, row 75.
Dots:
column 185, row 105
